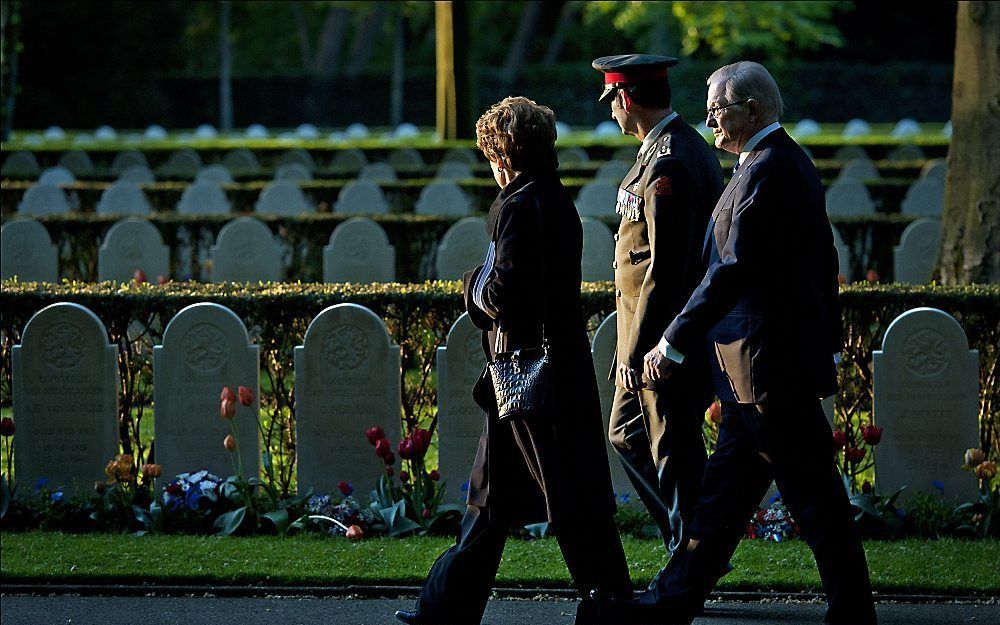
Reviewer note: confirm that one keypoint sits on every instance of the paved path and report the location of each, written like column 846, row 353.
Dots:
column 70, row 610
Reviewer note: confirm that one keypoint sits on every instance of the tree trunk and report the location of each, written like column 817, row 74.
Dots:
column 398, row 68
column 970, row 241
column 225, row 69
column 518, row 52
column 567, row 15
column 365, row 38
column 331, row 41
column 465, row 89
column 10, row 39
column 302, row 32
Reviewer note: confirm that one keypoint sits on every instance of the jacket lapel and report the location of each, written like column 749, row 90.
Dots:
column 727, row 200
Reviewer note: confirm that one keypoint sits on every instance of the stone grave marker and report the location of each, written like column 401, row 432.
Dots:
column 78, row 162
column 155, row 133
column 185, row 163
column 307, row 131
column 56, row 176
column 43, row 199
column 916, row 255
column 906, row 127
column 357, row 130
column 926, row 386
column 283, row 197
column 348, row 161
column 806, row 128
column 55, row 133
column 463, row 247
column 295, row 172
column 206, row 131
column 405, row 158
column 295, row 155
column 359, row 252
column 246, row 251
column 850, row 153
column 843, row 254
column 27, row 251
column 906, row 153
column 205, row 347
column 627, row 154
column 460, row 420
column 613, row 171
column 443, row 198
column 571, row 157
column 65, row 399
column 20, row 164
column 406, row 130
column 256, row 131
column 935, row 168
column 361, row 196
column 847, row 197
column 856, row 128
column 597, row 199
column 241, row 162
column 123, row 198
column 137, row 174
column 126, row 159
column 346, row 381
column 606, row 128
column 203, row 198
column 454, row 171
column 598, row 251
column 216, row 174
column 603, row 350
column 377, row 172
column 924, row 197
column 133, row 244
column 860, row 169
column 105, row 133
column 460, row 155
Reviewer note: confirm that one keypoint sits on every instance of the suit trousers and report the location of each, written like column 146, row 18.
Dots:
column 657, row 435
column 789, row 440
column 459, row 583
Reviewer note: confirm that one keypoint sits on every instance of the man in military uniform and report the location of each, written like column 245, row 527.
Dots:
column 665, row 202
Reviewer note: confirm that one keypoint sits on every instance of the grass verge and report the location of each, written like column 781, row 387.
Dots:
column 906, row 566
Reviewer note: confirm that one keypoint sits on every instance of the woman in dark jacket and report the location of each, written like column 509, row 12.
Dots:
column 552, row 467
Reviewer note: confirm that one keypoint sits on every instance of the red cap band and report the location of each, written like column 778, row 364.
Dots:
column 613, row 77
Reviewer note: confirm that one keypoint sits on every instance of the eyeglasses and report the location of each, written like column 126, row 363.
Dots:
column 714, row 111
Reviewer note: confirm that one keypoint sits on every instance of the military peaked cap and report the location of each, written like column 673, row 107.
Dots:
column 624, row 69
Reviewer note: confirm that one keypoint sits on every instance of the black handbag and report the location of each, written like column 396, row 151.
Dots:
column 523, row 381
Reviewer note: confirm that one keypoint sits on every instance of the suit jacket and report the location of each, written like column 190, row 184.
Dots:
column 768, row 303
column 665, row 201
column 534, row 279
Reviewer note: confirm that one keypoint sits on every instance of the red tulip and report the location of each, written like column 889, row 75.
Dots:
column 228, row 409
column 246, row 396
column 354, row 532
column 839, row 439
column 7, row 427
column 715, row 412
column 406, row 449
column 390, row 459
column 871, row 434
column 841, row 278
column 161, row 279
column 866, row 488
column 227, row 393
column 383, row 448
column 174, row 489
column 854, row 454
column 435, row 475
column 404, row 476
column 389, row 471
column 426, row 513
column 423, row 439
column 345, row 488
column 375, row 434
column 872, row 276
column 139, row 276
column 229, row 443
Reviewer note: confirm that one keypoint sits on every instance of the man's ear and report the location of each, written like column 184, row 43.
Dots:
column 754, row 108
column 626, row 100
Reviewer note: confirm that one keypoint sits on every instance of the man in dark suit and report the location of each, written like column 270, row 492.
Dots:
column 664, row 202
column 767, row 312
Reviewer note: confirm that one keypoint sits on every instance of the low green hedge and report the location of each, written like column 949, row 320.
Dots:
column 418, row 317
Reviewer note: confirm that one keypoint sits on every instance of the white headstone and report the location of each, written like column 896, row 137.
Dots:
column 246, row 251
column 454, row 171
column 307, row 131
column 946, row 130
column 283, row 197
column 123, row 198
column 843, row 254
column 55, row 133
column 405, row 130
column 205, row 347
column 460, row 420
column 21, row 164
column 806, row 128
column 906, row 153
column 405, row 158
column 296, row 155
column 137, row 174
column 206, row 131
column 627, row 154
column 603, row 349
column 65, row 392
column 846, row 197
column 598, row 251
column 597, row 199
column 346, row 380
column 359, row 252
column 613, row 171
column 856, row 128
column 105, row 133
column 26, row 251
column 572, row 157
column 78, row 162
column 357, row 131
column 256, row 131
column 926, row 397
column 155, row 133
column 348, row 161
column 83, row 138
column 241, row 162
column 460, row 155
column 607, row 128
column 43, row 199
column 293, row 172
column 860, row 169
column 443, row 198
column 562, row 130
column 462, row 248
column 377, row 172
column 848, row 153
column 203, row 198
column 217, row 174
column 924, row 197
column 184, row 162
column 56, row 176
column 124, row 160
column 361, row 196
column 935, row 168
column 916, row 255
column 130, row 245
column 906, row 128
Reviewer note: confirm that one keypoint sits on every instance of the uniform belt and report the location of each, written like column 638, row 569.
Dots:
column 637, row 257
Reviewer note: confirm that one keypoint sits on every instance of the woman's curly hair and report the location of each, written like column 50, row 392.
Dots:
column 518, row 133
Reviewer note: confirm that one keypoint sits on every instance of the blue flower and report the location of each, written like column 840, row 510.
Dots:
column 774, row 498
column 939, row 485
column 625, row 497
column 900, row 513
column 56, row 496
column 465, row 486
column 41, row 483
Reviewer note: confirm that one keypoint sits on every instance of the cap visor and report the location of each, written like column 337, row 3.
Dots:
column 609, row 90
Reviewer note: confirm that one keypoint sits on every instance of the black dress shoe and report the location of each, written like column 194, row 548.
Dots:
column 644, row 610
column 408, row 617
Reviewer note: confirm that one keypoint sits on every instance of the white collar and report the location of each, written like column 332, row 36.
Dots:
column 653, row 134
column 754, row 140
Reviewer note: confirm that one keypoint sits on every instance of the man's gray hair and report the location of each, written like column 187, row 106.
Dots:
column 747, row 79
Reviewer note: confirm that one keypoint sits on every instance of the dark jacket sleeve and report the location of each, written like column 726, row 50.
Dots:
column 478, row 316
column 513, row 287
column 669, row 207
column 740, row 260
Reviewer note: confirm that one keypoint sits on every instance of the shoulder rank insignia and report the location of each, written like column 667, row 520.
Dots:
column 663, row 186
column 629, row 205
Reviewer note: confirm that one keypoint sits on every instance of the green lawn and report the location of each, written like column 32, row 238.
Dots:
column 908, row 566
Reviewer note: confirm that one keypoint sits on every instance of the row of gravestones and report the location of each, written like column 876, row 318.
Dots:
column 347, row 373
column 156, row 132
column 848, row 197
column 864, row 170
column 914, row 259
column 905, row 127
column 247, row 251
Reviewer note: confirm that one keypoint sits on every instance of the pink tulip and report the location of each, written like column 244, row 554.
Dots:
column 246, row 396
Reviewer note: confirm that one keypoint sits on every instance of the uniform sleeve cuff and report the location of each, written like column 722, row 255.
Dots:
column 668, row 350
